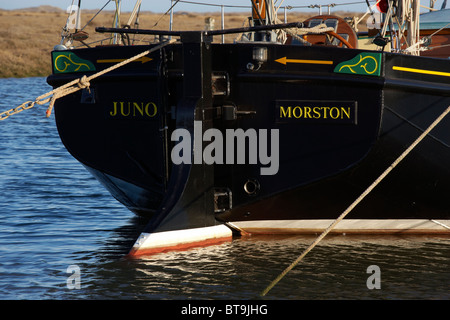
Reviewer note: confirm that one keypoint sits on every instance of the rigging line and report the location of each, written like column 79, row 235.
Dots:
column 348, row 3
column 280, row 5
column 415, row 126
column 134, row 12
column 370, row 8
column 335, row 4
column 98, row 12
column 359, row 199
column 448, row 24
column 257, row 11
column 162, row 16
column 437, row 47
column 136, row 22
column 214, row 5
column 269, row 17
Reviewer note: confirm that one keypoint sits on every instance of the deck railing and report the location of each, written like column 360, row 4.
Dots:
column 175, row 5
column 285, row 9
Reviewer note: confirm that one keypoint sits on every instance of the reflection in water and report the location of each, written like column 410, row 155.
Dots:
column 411, row 268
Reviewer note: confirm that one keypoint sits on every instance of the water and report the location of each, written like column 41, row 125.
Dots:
column 54, row 215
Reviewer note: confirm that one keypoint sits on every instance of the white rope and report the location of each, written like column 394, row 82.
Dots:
column 357, row 201
column 75, row 85
column 441, row 224
column 297, row 33
column 84, row 82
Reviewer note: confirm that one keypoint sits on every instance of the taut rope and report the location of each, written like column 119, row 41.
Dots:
column 357, row 201
column 75, row 85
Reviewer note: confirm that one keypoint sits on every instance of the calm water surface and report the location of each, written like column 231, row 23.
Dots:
column 53, row 215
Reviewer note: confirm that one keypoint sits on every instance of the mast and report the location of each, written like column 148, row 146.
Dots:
column 133, row 15
column 116, row 23
column 402, row 19
column 413, row 27
column 78, row 23
column 264, row 13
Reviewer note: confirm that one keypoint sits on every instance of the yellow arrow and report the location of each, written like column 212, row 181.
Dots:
column 285, row 60
column 143, row 60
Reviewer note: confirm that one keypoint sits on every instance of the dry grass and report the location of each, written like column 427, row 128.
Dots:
column 28, row 36
column 26, row 39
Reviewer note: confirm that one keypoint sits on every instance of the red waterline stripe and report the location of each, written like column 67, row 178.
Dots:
column 136, row 253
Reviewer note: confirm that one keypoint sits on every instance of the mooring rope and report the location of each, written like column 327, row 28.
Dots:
column 358, row 200
column 441, row 224
column 75, row 85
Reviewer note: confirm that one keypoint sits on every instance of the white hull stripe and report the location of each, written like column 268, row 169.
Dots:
column 368, row 226
column 148, row 244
